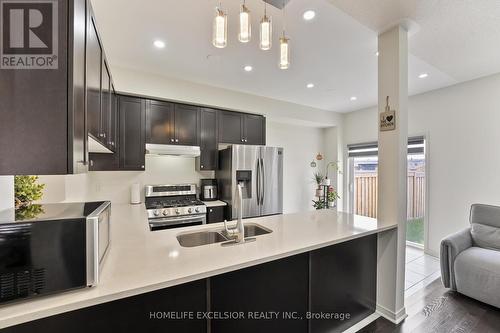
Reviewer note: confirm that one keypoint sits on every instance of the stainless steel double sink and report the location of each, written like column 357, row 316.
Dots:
column 206, row 237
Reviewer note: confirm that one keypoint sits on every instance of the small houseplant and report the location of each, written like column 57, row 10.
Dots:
column 319, row 204
column 332, row 196
column 318, row 178
column 27, row 190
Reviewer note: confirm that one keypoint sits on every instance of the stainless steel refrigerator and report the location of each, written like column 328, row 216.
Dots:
column 259, row 170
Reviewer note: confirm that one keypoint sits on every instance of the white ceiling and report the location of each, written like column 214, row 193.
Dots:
column 335, row 51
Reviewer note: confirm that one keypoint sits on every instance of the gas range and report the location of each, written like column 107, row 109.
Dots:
column 173, row 206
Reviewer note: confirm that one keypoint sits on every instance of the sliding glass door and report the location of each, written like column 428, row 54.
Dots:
column 363, row 185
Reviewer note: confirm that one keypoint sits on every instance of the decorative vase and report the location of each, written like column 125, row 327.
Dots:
column 326, row 182
column 332, row 204
column 319, row 192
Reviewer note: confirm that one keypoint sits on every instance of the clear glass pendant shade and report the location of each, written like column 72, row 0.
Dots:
column 245, row 25
column 284, row 52
column 266, row 33
column 219, row 38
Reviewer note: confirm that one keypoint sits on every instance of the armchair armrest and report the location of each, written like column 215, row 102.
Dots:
column 451, row 247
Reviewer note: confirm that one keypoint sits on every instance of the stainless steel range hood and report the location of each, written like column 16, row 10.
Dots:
column 172, row 150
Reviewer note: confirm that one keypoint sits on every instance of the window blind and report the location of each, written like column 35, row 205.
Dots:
column 416, row 145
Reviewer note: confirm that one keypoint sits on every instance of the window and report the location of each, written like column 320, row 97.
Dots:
column 363, row 184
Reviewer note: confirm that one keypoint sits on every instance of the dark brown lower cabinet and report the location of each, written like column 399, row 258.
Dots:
column 325, row 290
column 343, row 282
column 215, row 214
column 141, row 313
column 279, row 286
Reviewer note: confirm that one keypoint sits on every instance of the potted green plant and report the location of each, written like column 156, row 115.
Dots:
column 318, row 178
column 318, row 204
column 27, row 190
column 332, row 197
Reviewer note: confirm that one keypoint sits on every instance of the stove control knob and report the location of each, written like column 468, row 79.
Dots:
column 177, row 211
column 156, row 212
column 197, row 210
column 165, row 212
column 190, row 210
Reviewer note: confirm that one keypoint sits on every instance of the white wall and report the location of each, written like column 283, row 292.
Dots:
column 131, row 81
column 462, row 127
column 301, row 145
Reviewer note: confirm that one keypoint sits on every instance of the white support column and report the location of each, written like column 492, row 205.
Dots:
column 392, row 173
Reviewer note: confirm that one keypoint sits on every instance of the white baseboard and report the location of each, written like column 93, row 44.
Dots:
column 363, row 323
column 394, row 318
column 432, row 253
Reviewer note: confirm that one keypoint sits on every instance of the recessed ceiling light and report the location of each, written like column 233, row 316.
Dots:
column 354, row 98
column 309, row 15
column 423, row 76
column 159, row 44
column 248, row 68
column 310, row 85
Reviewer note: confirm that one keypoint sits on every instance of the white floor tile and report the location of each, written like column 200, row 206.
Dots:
column 413, row 253
column 421, row 269
column 414, row 277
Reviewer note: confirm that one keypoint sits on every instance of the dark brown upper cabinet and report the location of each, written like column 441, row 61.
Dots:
column 105, row 124
column 113, row 121
column 254, row 129
column 209, row 154
column 42, row 112
column 160, row 122
column 231, row 127
column 186, row 125
column 241, row 128
column 132, row 143
column 169, row 123
column 94, row 80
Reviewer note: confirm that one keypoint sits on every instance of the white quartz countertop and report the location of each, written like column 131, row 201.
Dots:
column 215, row 203
column 140, row 261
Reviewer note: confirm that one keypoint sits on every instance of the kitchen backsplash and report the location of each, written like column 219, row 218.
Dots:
column 115, row 185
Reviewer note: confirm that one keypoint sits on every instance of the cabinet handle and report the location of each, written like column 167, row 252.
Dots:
column 242, row 140
column 246, row 140
column 171, row 140
column 201, row 166
column 176, row 140
column 211, row 210
column 142, row 166
column 91, row 163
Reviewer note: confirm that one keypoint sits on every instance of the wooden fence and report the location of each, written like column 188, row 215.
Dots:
column 365, row 194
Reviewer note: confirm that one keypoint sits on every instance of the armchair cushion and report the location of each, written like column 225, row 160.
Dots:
column 451, row 247
column 485, row 236
column 477, row 274
column 485, row 214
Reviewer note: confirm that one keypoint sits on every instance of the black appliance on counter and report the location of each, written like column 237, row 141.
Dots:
column 52, row 248
column 173, row 206
column 208, row 190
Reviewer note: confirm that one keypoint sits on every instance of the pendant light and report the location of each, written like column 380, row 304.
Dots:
column 266, row 31
column 284, row 47
column 219, row 38
column 245, row 24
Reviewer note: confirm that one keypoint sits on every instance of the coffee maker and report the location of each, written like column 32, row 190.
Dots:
column 208, row 191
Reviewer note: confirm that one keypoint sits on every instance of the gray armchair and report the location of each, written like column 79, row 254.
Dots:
column 470, row 259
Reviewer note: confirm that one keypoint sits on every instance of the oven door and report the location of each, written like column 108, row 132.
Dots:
column 176, row 222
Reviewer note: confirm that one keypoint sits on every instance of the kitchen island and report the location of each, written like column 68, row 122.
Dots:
column 313, row 263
